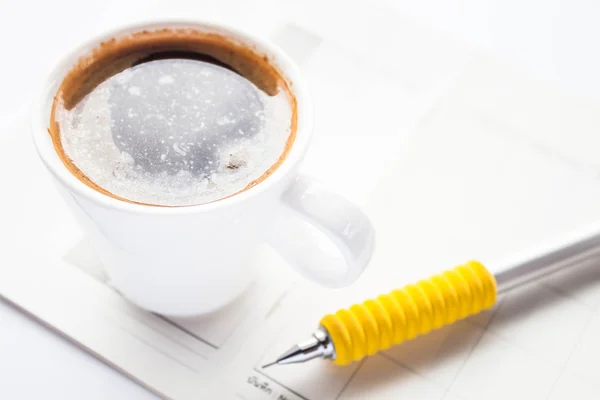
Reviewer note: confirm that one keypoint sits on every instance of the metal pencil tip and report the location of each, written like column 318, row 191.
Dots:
column 269, row 364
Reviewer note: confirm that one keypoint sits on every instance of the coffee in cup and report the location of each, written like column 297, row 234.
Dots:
column 173, row 117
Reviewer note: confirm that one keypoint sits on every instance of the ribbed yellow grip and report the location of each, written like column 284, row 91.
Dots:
column 375, row 325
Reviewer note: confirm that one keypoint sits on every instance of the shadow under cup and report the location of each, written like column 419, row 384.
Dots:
column 129, row 51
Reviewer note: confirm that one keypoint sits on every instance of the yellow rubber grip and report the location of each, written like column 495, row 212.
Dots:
column 392, row 318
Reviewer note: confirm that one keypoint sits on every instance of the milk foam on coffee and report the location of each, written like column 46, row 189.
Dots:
column 176, row 132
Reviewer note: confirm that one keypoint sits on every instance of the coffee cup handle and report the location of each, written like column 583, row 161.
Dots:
column 310, row 215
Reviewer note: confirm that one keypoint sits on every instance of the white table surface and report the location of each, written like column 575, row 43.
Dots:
column 553, row 39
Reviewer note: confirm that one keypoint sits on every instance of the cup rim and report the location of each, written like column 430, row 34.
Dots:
column 43, row 101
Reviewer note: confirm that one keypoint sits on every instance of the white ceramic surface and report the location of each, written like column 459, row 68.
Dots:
column 193, row 260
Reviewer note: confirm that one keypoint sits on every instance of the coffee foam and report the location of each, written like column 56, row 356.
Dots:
column 99, row 141
column 183, row 132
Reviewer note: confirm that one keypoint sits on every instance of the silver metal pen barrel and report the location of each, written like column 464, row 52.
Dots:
column 537, row 264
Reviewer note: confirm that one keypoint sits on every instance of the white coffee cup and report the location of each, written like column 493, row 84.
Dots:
column 193, row 260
